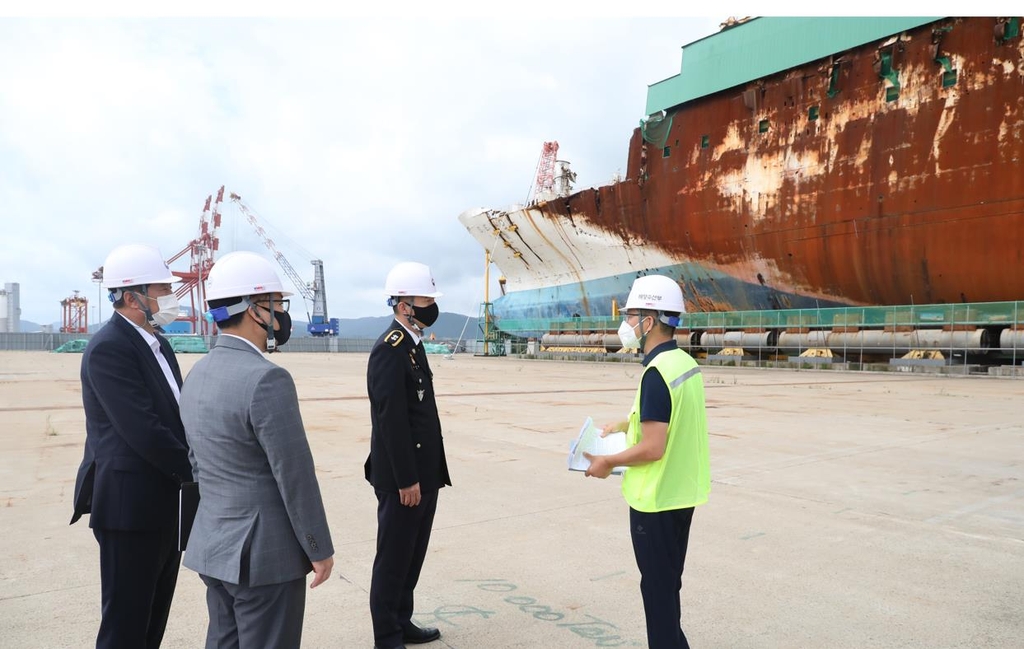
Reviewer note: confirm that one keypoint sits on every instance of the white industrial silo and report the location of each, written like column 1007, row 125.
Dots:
column 10, row 308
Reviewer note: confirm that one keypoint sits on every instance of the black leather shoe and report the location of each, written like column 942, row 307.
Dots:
column 416, row 635
column 401, row 646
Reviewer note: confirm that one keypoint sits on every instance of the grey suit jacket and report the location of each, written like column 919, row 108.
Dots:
column 260, row 510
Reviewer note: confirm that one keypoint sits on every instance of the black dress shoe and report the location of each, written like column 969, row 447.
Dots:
column 416, row 635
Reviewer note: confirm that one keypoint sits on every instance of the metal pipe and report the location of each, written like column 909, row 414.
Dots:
column 749, row 341
column 610, row 342
column 896, row 342
column 1012, row 341
column 791, row 343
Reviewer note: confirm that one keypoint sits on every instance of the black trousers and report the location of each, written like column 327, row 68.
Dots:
column 402, row 537
column 659, row 544
column 138, row 572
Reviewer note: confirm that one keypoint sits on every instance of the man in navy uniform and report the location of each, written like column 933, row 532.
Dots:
column 136, row 456
column 407, row 464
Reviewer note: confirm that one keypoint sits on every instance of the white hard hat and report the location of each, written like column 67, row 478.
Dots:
column 135, row 264
column 410, row 279
column 657, row 293
column 241, row 274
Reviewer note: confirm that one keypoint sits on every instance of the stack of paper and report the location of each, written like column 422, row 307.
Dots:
column 589, row 440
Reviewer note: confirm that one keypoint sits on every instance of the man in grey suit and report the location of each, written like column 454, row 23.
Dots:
column 260, row 527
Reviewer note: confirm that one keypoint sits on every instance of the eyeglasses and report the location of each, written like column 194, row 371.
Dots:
column 284, row 304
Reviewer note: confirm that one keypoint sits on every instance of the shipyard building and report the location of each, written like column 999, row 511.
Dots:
column 10, row 308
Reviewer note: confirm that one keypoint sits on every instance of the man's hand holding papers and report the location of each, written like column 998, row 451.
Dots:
column 599, row 467
column 591, row 448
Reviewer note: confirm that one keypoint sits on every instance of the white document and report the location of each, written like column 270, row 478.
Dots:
column 590, row 440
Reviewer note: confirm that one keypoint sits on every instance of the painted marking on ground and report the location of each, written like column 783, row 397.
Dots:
column 601, row 633
column 614, row 574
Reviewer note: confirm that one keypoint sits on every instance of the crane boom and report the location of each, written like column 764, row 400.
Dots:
column 269, row 243
column 319, row 323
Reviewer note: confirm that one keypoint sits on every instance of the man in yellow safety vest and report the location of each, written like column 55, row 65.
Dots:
column 667, row 462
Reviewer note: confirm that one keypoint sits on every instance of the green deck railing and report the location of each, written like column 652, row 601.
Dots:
column 925, row 316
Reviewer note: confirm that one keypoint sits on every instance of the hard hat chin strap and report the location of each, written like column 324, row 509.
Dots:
column 222, row 313
column 671, row 321
column 395, row 301
column 145, row 305
column 271, row 339
column 643, row 335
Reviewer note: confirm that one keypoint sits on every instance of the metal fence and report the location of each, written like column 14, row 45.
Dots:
column 37, row 342
column 947, row 334
column 923, row 315
column 47, row 342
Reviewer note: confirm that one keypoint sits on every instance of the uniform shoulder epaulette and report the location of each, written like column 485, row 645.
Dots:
column 394, row 337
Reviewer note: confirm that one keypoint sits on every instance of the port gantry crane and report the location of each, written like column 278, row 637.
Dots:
column 201, row 251
column 313, row 292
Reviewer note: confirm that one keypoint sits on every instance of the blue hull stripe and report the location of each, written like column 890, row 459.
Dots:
column 594, row 297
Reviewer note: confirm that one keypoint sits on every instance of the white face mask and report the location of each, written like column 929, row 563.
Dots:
column 628, row 337
column 168, row 312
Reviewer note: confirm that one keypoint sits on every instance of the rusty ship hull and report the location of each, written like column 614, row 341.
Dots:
column 887, row 173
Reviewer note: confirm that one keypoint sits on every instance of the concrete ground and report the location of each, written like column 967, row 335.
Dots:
column 847, row 510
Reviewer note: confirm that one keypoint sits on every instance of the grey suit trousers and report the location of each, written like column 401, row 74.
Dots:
column 255, row 616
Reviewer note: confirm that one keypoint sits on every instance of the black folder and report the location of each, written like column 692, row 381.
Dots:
column 188, row 504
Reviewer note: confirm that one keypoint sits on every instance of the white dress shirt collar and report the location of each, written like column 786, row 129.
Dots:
column 154, row 345
column 412, row 332
column 258, row 350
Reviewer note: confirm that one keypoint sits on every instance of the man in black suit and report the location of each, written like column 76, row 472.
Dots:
column 406, row 466
column 136, row 455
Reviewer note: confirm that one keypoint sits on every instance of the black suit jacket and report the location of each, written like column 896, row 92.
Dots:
column 136, row 455
column 406, row 446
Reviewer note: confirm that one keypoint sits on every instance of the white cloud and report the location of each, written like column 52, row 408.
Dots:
column 357, row 140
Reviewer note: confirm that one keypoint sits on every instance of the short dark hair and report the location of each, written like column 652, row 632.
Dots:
column 234, row 320
column 119, row 302
column 396, row 300
column 664, row 328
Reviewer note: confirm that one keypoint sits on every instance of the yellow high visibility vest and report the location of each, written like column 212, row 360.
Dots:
column 682, row 477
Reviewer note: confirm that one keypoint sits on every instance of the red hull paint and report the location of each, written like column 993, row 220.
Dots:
column 917, row 200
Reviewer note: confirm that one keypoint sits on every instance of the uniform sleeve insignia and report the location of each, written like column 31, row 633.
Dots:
column 394, row 337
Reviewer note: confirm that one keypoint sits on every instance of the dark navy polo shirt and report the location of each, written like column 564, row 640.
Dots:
column 655, row 399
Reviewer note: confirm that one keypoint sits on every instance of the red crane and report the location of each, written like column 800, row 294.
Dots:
column 546, row 169
column 202, row 251
column 74, row 315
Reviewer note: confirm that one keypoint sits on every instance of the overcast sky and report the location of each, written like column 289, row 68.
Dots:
column 358, row 140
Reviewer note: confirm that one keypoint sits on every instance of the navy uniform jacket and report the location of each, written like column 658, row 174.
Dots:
column 135, row 450
column 406, row 446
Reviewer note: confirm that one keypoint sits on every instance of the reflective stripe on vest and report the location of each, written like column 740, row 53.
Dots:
column 682, row 477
